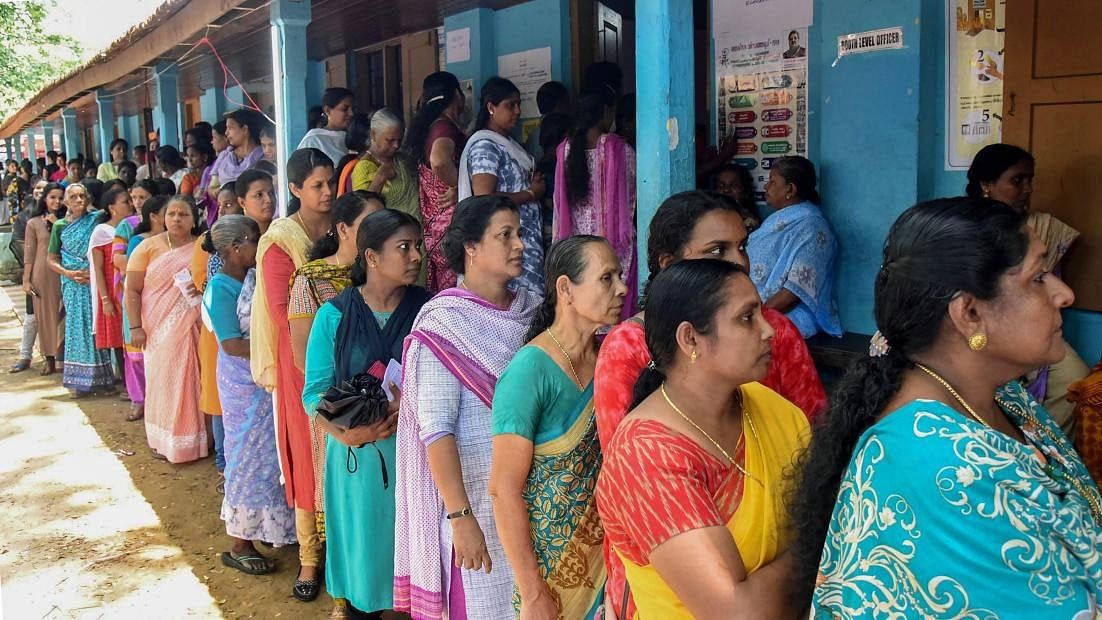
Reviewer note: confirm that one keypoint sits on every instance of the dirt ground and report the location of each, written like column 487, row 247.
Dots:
column 91, row 526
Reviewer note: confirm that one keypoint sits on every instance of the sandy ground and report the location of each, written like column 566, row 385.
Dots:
column 91, row 526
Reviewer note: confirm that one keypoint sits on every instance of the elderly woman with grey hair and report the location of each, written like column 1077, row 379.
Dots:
column 383, row 170
column 254, row 507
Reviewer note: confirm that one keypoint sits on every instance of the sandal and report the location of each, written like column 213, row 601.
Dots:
column 20, row 366
column 221, row 488
column 124, row 397
column 136, row 413
column 248, row 564
column 306, row 590
column 158, row 455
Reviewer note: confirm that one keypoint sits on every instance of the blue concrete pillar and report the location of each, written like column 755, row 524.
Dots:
column 7, row 149
column 166, row 115
column 212, row 105
column 482, row 64
column 29, row 151
column 105, row 117
column 233, row 99
column 666, row 122
column 315, row 83
column 48, row 136
column 289, row 19
column 70, row 131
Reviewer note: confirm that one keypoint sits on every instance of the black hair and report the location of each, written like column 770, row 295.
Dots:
column 374, row 232
column 673, row 224
column 200, row 224
column 567, row 257
column 494, row 91
column 592, row 108
column 154, row 205
column 689, row 291
column 437, row 92
column 229, row 186
column 247, row 117
column 469, row 222
column 138, row 148
column 148, row 185
column 127, row 164
column 242, row 183
column 205, row 149
column 800, row 172
column 165, row 187
column 332, row 97
column 990, row 163
column 170, row 156
column 749, row 210
column 201, row 132
column 314, row 118
column 266, row 166
column 108, row 186
column 119, row 142
column 625, row 111
column 345, row 211
column 218, row 128
column 934, row 251
column 299, row 167
column 51, row 154
column 554, row 128
column 40, row 207
column 358, row 133
column 108, row 199
column 94, row 187
column 550, row 95
column 603, row 76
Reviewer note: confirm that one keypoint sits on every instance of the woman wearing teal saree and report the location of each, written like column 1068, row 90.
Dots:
column 957, row 495
column 546, row 455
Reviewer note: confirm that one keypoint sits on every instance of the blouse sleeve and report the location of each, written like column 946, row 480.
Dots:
column 320, row 361
column 439, row 395
column 55, row 237
column 221, row 302
column 643, row 479
column 621, row 360
column 518, row 396
column 302, row 303
column 484, row 157
column 139, row 260
column 792, row 373
column 362, row 174
column 277, row 269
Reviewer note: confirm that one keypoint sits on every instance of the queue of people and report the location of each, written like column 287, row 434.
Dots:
column 456, row 410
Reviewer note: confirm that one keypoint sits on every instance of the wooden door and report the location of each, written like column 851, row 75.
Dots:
column 419, row 59
column 1053, row 107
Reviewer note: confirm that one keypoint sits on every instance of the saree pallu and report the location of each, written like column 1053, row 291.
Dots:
column 133, row 365
column 1086, row 394
column 174, row 425
column 562, row 511
column 86, row 368
column 435, row 220
column 209, row 402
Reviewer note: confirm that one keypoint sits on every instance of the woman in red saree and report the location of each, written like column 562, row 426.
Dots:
column 168, row 331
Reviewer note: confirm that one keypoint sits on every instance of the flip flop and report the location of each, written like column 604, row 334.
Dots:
column 136, row 413
column 248, row 564
column 19, row 366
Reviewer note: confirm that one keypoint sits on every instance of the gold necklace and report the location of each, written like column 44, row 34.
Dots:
column 957, row 396
column 577, row 379
column 168, row 239
column 745, row 417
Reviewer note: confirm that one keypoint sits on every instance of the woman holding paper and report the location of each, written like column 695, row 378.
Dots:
column 160, row 296
column 361, row 330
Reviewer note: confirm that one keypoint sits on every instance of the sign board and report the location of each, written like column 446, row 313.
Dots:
column 871, row 41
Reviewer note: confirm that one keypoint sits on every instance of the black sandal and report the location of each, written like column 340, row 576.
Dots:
column 306, row 590
column 248, row 564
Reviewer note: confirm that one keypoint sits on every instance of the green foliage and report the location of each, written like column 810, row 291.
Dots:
column 30, row 57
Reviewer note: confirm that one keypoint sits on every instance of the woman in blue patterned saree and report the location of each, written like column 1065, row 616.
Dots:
column 792, row 255
column 546, row 454
column 956, row 493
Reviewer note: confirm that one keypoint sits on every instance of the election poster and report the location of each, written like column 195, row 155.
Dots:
column 974, row 75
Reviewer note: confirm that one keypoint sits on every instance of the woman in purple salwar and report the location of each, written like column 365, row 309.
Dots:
column 448, row 558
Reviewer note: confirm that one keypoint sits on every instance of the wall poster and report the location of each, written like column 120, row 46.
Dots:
column 974, row 78
column 761, row 98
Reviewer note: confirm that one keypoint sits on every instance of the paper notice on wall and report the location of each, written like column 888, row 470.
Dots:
column 528, row 70
column 738, row 18
column 459, row 45
column 974, row 78
column 761, row 99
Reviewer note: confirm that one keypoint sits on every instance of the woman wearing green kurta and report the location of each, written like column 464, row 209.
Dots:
column 546, row 454
column 362, row 328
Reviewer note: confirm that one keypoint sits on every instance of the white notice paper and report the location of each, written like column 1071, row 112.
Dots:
column 459, row 45
column 528, row 70
column 756, row 17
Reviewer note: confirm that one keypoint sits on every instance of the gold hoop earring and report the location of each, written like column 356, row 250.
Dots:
column 977, row 341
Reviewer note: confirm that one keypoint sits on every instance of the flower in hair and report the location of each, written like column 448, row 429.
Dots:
column 878, row 345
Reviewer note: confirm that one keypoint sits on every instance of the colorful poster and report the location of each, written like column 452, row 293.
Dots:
column 761, row 99
column 974, row 76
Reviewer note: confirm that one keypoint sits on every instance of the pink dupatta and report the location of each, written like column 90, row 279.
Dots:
column 615, row 207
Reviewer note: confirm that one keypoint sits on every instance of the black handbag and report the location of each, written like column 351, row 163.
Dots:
column 357, row 402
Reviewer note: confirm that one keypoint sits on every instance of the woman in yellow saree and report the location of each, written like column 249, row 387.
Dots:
column 693, row 482
column 546, row 454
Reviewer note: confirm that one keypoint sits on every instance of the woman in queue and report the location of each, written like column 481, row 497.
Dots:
column 384, row 170
column 693, row 484
column 364, row 327
column 254, row 507
column 337, row 105
column 107, row 299
column 546, row 454
column 282, row 250
column 87, row 370
column 935, row 475
column 165, row 324
column 434, row 143
column 792, row 255
column 493, row 163
column 39, row 281
column 243, row 128
column 460, row 344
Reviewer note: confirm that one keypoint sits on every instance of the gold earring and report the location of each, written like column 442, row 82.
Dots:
column 692, row 358
column 977, row 341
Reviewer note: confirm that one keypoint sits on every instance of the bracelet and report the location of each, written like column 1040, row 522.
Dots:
column 133, row 328
column 466, row 512
column 531, row 193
